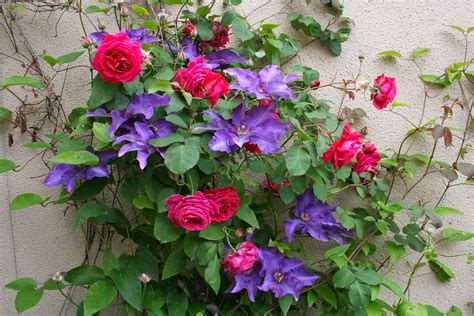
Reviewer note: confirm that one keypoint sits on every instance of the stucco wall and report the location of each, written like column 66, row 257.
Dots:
column 39, row 241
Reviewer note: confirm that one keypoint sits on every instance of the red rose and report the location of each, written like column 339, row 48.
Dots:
column 384, row 91
column 241, row 260
column 274, row 187
column 228, row 201
column 252, row 148
column 189, row 29
column 200, row 81
column 191, row 212
column 344, row 148
column 214, row 86
column 220, row 37
column 367, row 159
column 118, row 59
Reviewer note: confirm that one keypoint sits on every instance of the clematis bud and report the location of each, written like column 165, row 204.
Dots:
column 144, row 278
column 250, row 230
column 181, row 56
column 58, row 276
column 124, row 12
column 364, row 130
column 101, row 24
column 315, row 83
column 86, row 42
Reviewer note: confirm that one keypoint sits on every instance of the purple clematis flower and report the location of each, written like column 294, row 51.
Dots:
column 315, row 218
column 67, row 175
column 222, row 58
column 257, row 126
column 268, row 83
column 283, row 276
column 135, row 34
column 190, row 48
column 139, row 138
column 139, row 107
column 248, row 280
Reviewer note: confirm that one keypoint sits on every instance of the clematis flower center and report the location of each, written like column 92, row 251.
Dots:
column 242, row 130
column 278, row 276
column 260, row 88
column 305, row 217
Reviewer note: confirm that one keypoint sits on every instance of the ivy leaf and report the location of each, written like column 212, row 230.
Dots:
column 99, row 296
column 27, row 298
column 175, row 264
column 298, row 161
column 22, row 81
column 180, row 158
column 80, row 157
column 395, row 251
column 6, row 165
column 164, row 230
column 26, row 200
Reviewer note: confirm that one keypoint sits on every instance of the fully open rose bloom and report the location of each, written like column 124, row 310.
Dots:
column 118, row 58
column 384, row 91
column 228, row 201
column 344, row 148
column 191, row 212
column 367, row 159
column 201, row 82
column 241, row 260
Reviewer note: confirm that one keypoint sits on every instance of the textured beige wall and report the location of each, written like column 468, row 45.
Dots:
column 39, row 241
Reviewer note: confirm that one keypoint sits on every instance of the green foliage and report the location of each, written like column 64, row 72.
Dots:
column 22, row 81
column 25, row 200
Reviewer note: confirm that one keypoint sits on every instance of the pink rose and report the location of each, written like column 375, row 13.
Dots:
column 118, row 58
column 191, row 212
column 367, row 159
column 228, row 201
column 201, row 82
column 241, row 260
column 344, row 148
column 384, row 91
column 220, row 37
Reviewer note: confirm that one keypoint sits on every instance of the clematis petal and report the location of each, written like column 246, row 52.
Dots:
column 270, row 73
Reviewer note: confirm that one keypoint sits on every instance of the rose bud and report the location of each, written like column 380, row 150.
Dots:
column 86, row 42
column 315, row 83
column 364, row 130
column 124, row 12
column 351, row 95
column 341, row 117
column 101, row 24
column 239, row 232
column 181, row 56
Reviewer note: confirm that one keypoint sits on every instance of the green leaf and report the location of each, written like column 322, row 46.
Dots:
column 395, row 251
column 246, row 214
column 128, row 285
column 176, row 120
column 6, row 165
column 442, row 271
column 139, row 10
column 212, row 275
column 167, row 140
column 205, row 252
column 22, row 81
column 453, row 234
column 227, row 18
column 432, row 79
column 343, row 278
column 408, row 309
column 457, row 28
column 393, row 287
column 204, row 30
column 175, row 264
column 285, row 303
column 454, row 311
column 84, row 275
column 101, row 132
column 27, row 298
column 95, row 9
column 420, row 52
column 298, row 161
column 327, row 294
column 40, row 145
column 99, row 296
column 5, row 113
column 80, row 157
column 69, row 58
column 102, row 92
column 212, row 232
column 160, row 85
column 49, row 59
column 25, row 200
column 22, row 283
column 369, row 277
column 89, row 188
column 444, row 210
column 90, row 210
column 241, row 30
column 164, row 230
column 177, row 303
column 390, row 53
column 359, row 294
column 180, row 158
column 109, row 262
